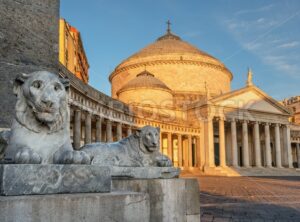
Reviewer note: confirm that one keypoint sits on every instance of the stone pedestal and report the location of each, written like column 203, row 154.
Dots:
column 90, row 207
column 27, row 179
column 170, row 199
column 145, row 172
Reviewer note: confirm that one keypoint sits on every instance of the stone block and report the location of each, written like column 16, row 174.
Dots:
column 192, row 200
column 104, row 207
column 193, row 218
column 145, row 172
column 169, row 198
column 26, row 179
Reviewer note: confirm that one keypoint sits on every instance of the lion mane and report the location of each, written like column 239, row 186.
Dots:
column 40, row 132
column 132, row 151
column 26, row 109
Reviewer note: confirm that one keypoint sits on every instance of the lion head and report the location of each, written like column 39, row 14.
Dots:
column 41, row 101
column 149, row 139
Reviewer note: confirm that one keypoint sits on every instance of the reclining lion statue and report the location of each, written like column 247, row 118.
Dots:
column 40, row 129
column 140, row 149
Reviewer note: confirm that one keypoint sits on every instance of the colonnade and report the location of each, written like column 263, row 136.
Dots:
column 242, row 149
column 241, row 143
column 103, row 129
column 182, row 149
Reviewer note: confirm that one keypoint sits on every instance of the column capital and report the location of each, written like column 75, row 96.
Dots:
column 86, row 112
column 245, row 121
column 218, row 118
column 98, row 117
column 232, row 120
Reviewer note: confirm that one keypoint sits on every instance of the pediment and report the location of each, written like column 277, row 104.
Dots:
column 251, row 98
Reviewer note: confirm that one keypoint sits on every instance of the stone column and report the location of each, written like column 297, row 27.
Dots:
column 189, row 151
column 119, row 131
column 209, row 143
column 170, row 145
column 129, row 131
column 298, row 154
column 277, row 146
column 98, row 129
column 198, row 152
column 268, row 146
column 257, row 149
column 88, row 128
column 185, row 152
column 234, row 143
column 288, row 148
column 77, row 129
column 222, row 142
column 245, row 145
column 109, row 131
column 179, row 141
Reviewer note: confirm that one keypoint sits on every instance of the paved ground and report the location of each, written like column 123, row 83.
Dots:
column 250, row 198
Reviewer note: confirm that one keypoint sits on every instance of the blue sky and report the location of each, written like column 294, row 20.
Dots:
column 261, row 34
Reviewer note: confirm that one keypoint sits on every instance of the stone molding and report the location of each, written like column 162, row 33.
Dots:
column 160, row 62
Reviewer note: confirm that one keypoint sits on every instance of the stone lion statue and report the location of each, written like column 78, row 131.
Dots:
column 40, row 130
column 138, row 150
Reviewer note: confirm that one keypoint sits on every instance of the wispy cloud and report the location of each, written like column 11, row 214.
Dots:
column 283, row 64
column 292, row 44
column 260, row 9
column 261, row 36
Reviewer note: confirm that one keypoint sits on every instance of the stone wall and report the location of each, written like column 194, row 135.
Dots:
column 28, row 42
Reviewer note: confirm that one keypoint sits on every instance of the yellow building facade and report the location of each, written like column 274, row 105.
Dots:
column 71, row 51
column 204, row 124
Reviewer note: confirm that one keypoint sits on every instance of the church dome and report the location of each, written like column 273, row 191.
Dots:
column 144, row 79
column 169, row 43
column 145, row 89
column 181, row 66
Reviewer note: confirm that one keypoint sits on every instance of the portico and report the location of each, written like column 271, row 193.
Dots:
column 252, row 137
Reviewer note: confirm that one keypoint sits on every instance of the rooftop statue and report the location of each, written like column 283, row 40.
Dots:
column 40, row 131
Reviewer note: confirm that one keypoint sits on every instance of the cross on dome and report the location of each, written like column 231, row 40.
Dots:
column 169, row 26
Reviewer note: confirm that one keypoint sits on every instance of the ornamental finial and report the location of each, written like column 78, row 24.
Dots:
column 249, row 79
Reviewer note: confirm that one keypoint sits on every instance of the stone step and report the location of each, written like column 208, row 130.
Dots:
column 254, row 171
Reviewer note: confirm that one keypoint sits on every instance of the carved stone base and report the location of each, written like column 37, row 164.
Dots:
column 87, row 207
column 170, row 199
column 145, row 172
column 27, row 179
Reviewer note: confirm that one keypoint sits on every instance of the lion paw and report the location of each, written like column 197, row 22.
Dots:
column 164, row 161
column 27, row 156
column 75, row 157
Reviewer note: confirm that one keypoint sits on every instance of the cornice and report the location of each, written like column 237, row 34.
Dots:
column 160, row 62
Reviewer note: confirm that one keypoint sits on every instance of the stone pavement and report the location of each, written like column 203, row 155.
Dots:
column 249, row 198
